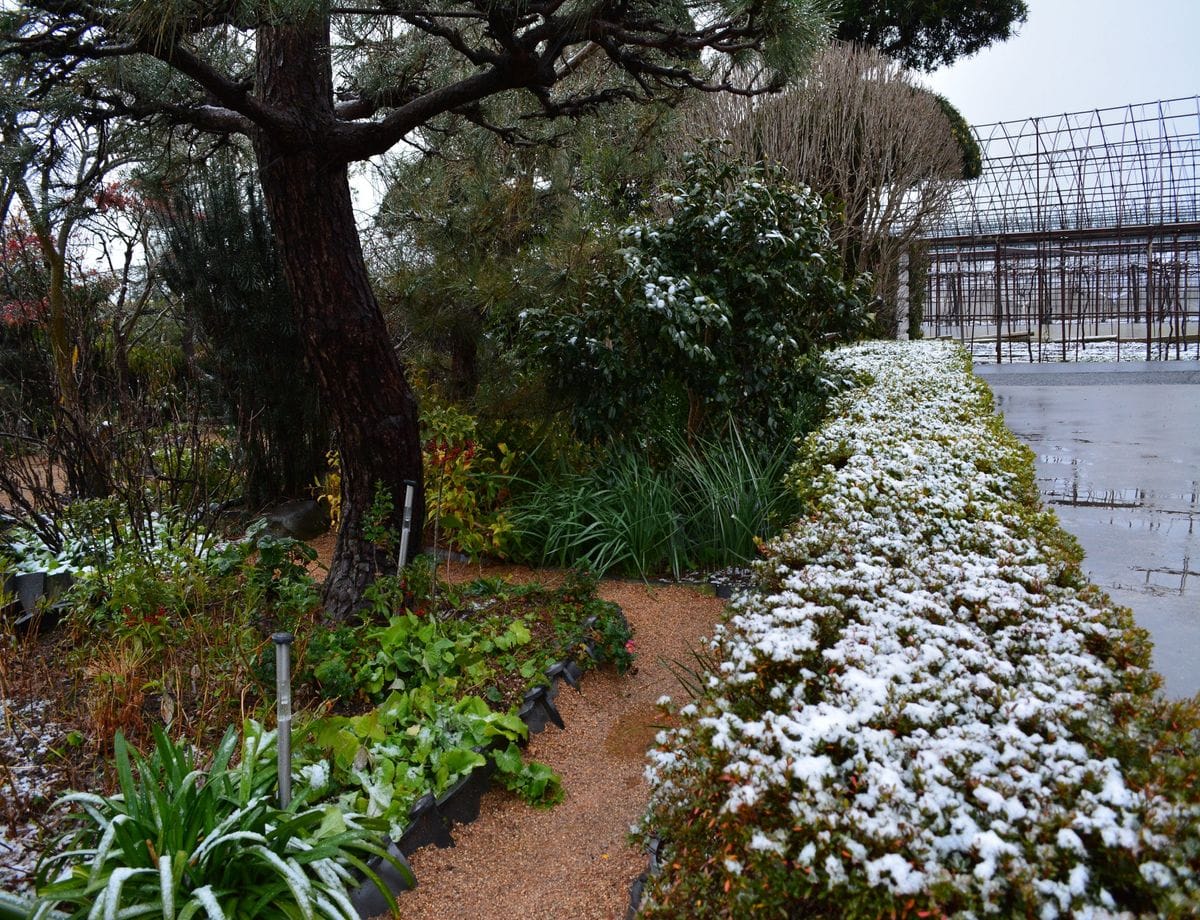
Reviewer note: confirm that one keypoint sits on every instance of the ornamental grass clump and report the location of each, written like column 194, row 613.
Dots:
column 180, row 842
column 924, row 710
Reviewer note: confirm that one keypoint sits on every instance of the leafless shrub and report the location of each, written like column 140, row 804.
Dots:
column 164, row 456
column 860, row 132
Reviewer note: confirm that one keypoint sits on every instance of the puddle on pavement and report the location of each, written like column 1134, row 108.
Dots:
column 1110, row 498
column 1119, row 466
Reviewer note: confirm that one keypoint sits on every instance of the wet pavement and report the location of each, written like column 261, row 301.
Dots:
column 1118, row 458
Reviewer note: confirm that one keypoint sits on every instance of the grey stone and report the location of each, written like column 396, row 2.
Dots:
column 300, row 519
column 57, row 584
column 30, row 588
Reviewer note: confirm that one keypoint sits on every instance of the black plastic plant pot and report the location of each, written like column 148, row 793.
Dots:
column 654, row 848
column 638, row 889
column 426, row 826
column 571, row 673
column 635, row 896
column 537, row 711
column 554, row 674
column 367, row 899
column 460, row 804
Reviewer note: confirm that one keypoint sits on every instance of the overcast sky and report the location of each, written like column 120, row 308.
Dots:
column 1072, row 55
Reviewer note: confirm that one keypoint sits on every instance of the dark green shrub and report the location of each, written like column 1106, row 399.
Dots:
column 711, row 312
column 222, row 262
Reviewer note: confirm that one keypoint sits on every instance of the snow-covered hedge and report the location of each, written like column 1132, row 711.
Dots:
column 924, row 710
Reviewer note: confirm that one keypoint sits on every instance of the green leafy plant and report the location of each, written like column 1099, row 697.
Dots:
column 481, row 638
column 411, row 589
column 415, row 742
column 273, row 570
column 732, row 494
column 622, row 515
column 466, row 483
column 375, row 522
column 330, row 661
column 534, row 782
column 705, row 505
column 451, row 680
column 412, row 649
column 613, row 637
column 136, row 597
column 178, row 841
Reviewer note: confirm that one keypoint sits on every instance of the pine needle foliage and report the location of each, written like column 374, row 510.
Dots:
column 221, row 260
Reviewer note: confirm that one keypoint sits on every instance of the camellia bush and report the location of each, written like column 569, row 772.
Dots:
column 714, row 302
column 924, row 709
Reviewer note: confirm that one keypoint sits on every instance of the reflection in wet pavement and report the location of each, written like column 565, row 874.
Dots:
column 1120, row 465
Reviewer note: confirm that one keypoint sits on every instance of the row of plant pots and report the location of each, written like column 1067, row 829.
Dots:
column 431, row 819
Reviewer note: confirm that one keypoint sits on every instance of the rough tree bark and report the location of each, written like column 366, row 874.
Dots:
column 307, row 193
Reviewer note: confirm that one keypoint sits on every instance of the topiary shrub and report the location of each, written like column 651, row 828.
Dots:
column 924, row 710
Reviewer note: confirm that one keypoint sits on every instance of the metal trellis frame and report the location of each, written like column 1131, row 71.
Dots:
column 1082, row 233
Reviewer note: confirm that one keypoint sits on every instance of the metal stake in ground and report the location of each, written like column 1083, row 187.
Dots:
column 283, row 714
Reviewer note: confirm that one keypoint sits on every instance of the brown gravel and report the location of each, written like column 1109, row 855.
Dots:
column 519, row 863
column 515, row 862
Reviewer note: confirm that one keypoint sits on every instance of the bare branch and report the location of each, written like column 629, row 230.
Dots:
column 359, row 142
column 859, row 131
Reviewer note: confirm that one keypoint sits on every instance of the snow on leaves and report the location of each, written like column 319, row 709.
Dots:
column 923, row 700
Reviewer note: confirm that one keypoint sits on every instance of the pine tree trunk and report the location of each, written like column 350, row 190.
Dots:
column 361, row 380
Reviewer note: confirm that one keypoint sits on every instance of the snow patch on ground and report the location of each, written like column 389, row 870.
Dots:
column 28, row 774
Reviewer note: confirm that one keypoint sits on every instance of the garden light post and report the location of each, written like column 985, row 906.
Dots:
column 406, row 523
column 283, row 714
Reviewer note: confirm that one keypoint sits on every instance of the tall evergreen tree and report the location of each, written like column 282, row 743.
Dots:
column 926, row 34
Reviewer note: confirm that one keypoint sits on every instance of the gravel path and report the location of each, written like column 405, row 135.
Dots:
column 573, row 860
